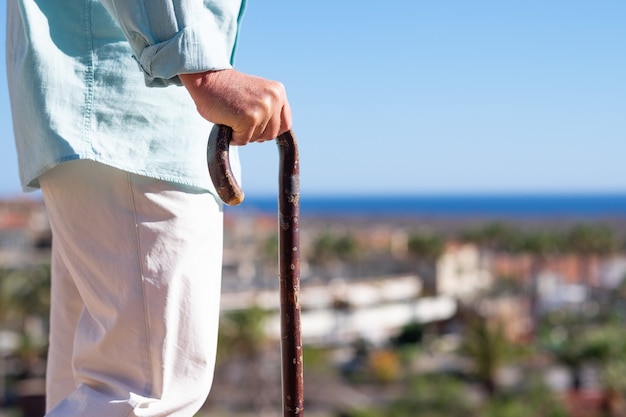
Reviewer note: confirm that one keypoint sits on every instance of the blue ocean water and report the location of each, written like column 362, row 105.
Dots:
column 497, row 205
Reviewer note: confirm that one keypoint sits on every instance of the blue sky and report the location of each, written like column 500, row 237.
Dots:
column 434, row 97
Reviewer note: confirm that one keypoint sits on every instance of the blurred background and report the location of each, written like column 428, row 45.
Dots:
column 463, row 216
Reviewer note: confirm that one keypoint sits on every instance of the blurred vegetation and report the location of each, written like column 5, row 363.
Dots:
column 426, row 246
column 449, row 369
column 335, row 247
column 24, row 292
column 484, row 343
column 24, row 310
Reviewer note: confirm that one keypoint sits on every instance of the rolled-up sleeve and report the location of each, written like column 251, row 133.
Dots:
column 171, row 37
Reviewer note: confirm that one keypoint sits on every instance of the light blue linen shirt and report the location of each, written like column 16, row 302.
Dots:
column 83, row 75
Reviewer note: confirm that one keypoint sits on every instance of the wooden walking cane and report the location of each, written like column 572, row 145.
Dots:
column 288, row 254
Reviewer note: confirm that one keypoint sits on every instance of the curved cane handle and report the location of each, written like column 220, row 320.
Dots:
column 219, row 167
column 218, row 160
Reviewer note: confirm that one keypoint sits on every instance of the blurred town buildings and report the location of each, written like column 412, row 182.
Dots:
column 365, row 280
column 373, row 291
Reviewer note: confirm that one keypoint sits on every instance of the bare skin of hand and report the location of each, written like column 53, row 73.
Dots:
column 255, row 108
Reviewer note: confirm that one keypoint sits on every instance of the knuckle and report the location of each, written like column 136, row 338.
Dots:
column 278, row 90
column 253, row 116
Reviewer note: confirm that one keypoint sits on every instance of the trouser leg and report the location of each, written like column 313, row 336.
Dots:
column 65, row 309
column 145, row 258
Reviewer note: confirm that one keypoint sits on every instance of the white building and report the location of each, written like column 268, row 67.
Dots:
column 461, row 272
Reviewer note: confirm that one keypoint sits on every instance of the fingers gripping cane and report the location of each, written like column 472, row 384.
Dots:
column 289, row 251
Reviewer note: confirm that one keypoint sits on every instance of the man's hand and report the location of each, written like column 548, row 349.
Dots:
column 255, row 108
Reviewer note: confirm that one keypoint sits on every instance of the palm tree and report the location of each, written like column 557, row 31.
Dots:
column 614, row 382
column 535, row 399
column 24, row 293
column 613, row 368
column 24, row 299
column 493, row 237
column 426, row 395
column 433, row 395
column 485, row 344
column 590, row 242
column 245, row 361
column 575, row 343
column 333, row 252
column 242, row 332
column 425, row 249
column 541, row 245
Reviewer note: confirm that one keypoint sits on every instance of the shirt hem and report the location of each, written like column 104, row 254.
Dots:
column 33, row 184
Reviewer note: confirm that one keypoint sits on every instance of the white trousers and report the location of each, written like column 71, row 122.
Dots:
column 136, row 271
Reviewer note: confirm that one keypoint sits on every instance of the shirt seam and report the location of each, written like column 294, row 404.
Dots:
column 144, row 302
column 242, row 8
column 89, row 72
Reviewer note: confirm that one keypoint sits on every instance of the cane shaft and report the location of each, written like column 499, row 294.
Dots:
column 289, row 261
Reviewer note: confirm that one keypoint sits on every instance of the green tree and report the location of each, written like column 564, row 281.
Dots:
column 485, row 344
column 25, row 300
column 536, row 400
column 493, row 237
column 247, row 366
column 613, row 368
column 590, row 242
column 425, row 249
column 541, row 245
column 242, row 333
column 269, row 249
column 332, row 247
column 335, row 253
column 574, row 343
column 426, row 396
column 24, row 293
column 613, row 378
column 24, row 309
column 426, row 246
